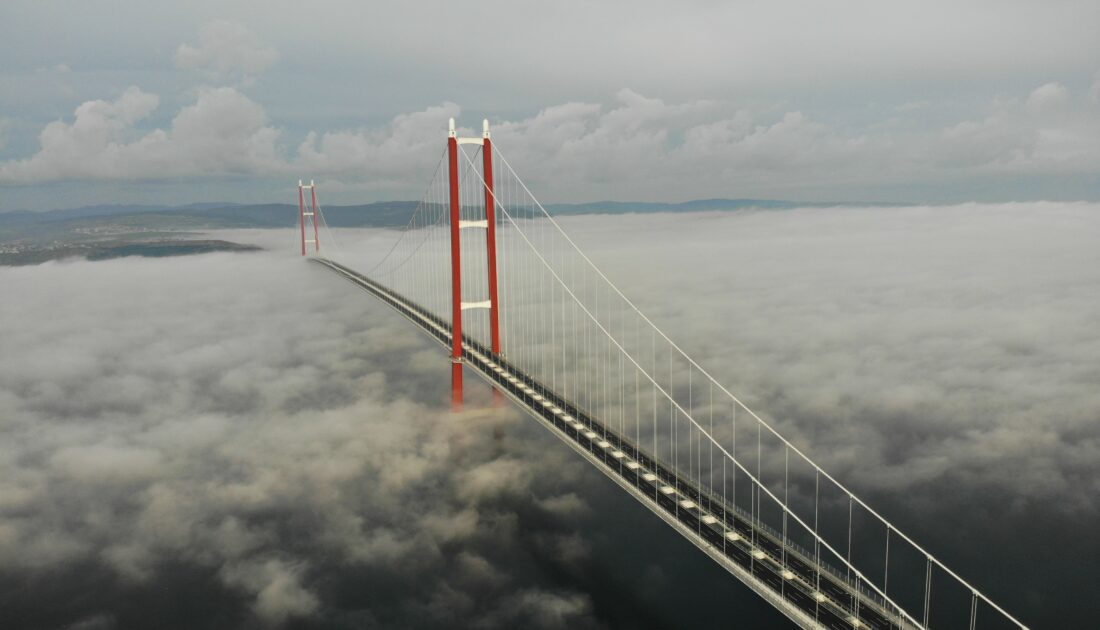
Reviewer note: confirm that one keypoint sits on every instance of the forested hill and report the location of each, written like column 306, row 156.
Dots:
column 380, row 214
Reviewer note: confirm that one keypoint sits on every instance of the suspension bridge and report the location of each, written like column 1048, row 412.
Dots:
column 484, row 270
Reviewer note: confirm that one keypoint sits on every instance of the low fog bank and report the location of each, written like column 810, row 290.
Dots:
column 901, row 344
column 243, row 440
column 246, row 440
column 943, row 361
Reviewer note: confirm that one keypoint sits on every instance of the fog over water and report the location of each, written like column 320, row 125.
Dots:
column 244, row 440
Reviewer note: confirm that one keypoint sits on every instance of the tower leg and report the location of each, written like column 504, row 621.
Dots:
column 302, row 215
column 491, row 240
column 456, row 270
column 456, row 386
column 313, row 200
column 491, row 250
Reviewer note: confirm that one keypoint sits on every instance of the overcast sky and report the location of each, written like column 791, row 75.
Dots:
column 157, row 103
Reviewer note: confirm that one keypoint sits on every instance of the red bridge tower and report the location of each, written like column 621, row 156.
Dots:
column 309, row 212
column 457, row 225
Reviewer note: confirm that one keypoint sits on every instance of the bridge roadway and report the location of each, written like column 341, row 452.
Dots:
column 750, row 550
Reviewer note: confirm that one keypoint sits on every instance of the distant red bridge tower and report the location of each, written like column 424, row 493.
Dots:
column 308, row 212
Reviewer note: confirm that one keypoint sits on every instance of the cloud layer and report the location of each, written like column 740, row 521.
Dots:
column 217, row 426
column 280, row 444
column 222, row 133
column 965, row 326
column 857, row 102
column 621, row 146
column 246, row 441
column 940, row 360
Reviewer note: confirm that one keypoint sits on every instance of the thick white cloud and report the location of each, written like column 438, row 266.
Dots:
column 225, row 51
column 280, row 595
column 246, row 418
column 1047, row 96
column 222, row 133
column 635, row 148
column 97, row 127
column 384, row 158
column 643, row 147
column 848, row 68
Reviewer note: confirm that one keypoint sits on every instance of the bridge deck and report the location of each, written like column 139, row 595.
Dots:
column 813, row 594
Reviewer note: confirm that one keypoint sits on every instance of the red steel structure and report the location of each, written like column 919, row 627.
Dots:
column 457, row 224
column 456, row 270
column 765, row 549
column 491, row 238
column 310, row 211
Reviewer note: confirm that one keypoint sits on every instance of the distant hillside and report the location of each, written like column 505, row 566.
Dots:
column 215, row 215
column 22, row 217
column 699, row 205
column 118, row 248
column 380, row 214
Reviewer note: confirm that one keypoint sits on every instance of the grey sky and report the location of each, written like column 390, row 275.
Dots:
column 126, row 101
